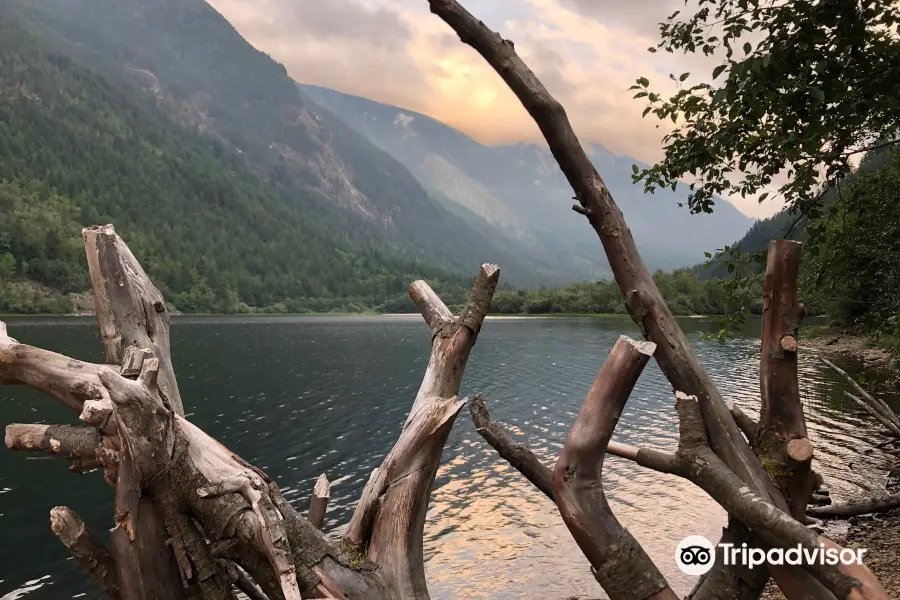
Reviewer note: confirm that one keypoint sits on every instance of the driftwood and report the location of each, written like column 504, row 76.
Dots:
column 515, row 454
column 318, row 503
column 87, row 550
column 620, row 564
column 194, row 520
column 874, row 505
column 875, row 406
column 640, row 293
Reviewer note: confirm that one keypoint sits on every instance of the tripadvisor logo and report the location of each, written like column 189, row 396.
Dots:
column 695, row 555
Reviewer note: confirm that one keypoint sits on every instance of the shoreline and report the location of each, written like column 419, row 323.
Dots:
column 828, row 341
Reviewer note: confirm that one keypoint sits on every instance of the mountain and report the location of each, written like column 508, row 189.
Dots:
column 520, row 190
column 232, row 187
column 785, row 225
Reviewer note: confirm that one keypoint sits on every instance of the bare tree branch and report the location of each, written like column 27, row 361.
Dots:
column 620, row 564
column 389, row 520
column 519, row 456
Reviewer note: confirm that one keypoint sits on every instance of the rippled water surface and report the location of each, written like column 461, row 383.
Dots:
column 303, row 396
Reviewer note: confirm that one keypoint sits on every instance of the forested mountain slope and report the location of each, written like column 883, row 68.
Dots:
column 520, row 190
column 231, row 187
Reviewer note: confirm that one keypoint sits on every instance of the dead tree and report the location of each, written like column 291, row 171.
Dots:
column 194, row 520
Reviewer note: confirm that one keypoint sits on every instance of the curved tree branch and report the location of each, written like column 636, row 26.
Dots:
column 620, row 565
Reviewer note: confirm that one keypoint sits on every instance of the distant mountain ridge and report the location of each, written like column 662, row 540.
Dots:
column 234, row 188
column 520, row 190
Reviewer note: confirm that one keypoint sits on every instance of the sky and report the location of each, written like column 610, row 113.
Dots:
column 586, row 52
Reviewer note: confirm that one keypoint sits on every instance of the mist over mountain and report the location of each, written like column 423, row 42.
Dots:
column 520, row 190
column 231, row 186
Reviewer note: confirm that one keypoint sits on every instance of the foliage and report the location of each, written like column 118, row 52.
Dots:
column 855, row 272
column 217, row 230
column 814, row 83
column 800, row 89
column 683, row 291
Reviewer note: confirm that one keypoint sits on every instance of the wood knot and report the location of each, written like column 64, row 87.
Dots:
column 84, row 391
column 159, row 306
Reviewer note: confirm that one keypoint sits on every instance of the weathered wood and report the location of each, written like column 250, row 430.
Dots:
column 515, row 454
column 642, row 297
column 69, row 441
column 244, row 583
column 318, row 502
column 130, row 310
column 696, row 462
column 70, row 381
column 781, row 422
column 620, row 565
column 876, row 403
column 873, row 505
column 86, row 549
column 893, row 429
column 389, row 520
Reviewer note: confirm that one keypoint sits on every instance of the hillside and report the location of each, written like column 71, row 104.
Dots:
column 231, row 187
column 520, row 190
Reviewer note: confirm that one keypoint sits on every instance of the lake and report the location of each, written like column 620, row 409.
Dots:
column 300, row 396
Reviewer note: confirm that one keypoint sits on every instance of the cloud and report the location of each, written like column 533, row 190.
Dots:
column 586, row 52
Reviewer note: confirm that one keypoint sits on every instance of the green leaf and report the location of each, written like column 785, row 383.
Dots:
column 646, row 110
column 747, row 48
column 634, row 169
column 643, row 82
column 718, row 70
column 817, row 94
column 684, row 76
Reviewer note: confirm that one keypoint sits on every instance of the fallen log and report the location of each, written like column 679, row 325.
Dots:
column 874, row 505
column 875, row 403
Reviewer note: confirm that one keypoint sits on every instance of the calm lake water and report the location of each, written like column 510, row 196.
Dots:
column 303, row 396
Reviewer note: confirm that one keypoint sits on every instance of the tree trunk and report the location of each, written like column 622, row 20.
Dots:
column 782, row 441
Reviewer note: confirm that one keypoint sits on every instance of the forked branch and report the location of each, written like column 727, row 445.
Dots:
column 389, row 520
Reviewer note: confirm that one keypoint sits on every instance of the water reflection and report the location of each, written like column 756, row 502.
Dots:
column 299, row 397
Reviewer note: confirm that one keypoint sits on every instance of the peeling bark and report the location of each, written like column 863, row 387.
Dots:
column 64, row 440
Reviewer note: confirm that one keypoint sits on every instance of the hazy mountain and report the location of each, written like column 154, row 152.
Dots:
column 231, row 185
column 520, row 190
